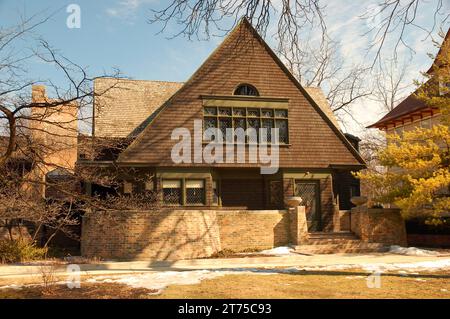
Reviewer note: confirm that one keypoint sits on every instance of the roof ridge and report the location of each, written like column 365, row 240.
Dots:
column 138, row 80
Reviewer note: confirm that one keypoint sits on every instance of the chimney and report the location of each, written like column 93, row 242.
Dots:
column 38, row 93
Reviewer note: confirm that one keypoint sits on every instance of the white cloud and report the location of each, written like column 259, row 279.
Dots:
column 126, row 9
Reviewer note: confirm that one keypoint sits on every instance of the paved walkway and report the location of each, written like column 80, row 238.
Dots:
column 31, row 273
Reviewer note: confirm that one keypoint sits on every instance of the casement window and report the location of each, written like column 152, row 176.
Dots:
column 195, row 191
column 248, row 117
column 172, row 192
column 183, row 191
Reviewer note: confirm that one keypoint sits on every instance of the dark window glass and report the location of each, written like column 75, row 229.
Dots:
column 215, row 187
column 210, row 122
column 267, row 113
column 253, row 123
column 239, row 112
column 282, row 126
column 172, row 192
column 224, row 123
column 253, row 112
column 246, row 89
column 195, row 192
column 244, row 118
column 268, row 125
column 280, row 113
column 225, row 111
column 210, row 111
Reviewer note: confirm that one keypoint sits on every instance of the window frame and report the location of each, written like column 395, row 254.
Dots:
column 274, row 118
column 183, row 198
column 252, row 87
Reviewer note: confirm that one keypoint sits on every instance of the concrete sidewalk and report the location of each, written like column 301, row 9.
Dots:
column 31, row 273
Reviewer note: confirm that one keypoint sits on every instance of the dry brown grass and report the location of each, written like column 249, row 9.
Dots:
column 87, row 291
column 337, row 284
column 316, row 285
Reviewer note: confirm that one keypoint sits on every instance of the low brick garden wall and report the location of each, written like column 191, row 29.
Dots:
column 379, row 225
column 180, row 234
column 241, row 230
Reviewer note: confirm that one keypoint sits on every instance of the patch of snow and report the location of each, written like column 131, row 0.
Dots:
column 380, row 267
column 160, row 280
column 412, row 251
column 283, row 250
column 12, row 286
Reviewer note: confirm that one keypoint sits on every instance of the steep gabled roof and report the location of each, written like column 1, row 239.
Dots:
column 124, row 106
column 244, row 23
column 317, row 94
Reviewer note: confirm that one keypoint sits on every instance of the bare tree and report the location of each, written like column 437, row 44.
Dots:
column 395, row 18
column 40, row 139
column 389, row 84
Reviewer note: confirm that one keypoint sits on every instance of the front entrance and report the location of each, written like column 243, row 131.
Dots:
column 309, row 191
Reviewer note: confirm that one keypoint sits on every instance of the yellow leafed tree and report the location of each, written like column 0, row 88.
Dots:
column 417, row 175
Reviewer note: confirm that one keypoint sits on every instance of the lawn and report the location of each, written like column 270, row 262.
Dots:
column 308, row 284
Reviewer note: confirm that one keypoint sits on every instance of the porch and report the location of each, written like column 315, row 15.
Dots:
column 246, row 189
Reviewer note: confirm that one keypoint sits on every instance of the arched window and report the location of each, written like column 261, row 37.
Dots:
column 246, row 89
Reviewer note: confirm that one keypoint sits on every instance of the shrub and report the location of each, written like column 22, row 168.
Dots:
column 12, row 251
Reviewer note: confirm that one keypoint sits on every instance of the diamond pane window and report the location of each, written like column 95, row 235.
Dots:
column 281, row 113
column 282, row 126
column 225, row 111
column 246, row 118
column 172, row 192
column 253, row 123
column 268, row 125
column 267, row 113
column 238, row 112
column 224, row 123
column 210, row 111
column 253, row 112
column 209, row 122
column 195, row 191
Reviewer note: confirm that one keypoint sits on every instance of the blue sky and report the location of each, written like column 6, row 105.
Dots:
column 115, row 34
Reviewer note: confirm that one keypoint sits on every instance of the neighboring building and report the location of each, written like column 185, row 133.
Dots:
column 412, row 112
column 408, row 115
column 242, row 84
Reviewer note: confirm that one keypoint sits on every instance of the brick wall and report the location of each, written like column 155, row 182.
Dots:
column 164, row 235
column 379, row 225
column 180, row 234
column 240, row 230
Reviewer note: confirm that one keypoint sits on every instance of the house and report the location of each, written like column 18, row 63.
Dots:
column 408, row 115
column 242, row 84
column 412, row 112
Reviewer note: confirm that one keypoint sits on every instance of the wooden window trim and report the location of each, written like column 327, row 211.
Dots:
column 260, row 118
column 183, row 191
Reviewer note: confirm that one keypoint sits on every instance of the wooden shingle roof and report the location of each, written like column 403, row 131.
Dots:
column 123, row 106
